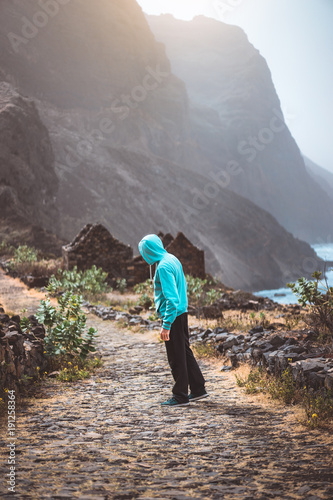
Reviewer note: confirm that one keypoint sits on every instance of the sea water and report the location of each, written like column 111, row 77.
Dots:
column 285, row 295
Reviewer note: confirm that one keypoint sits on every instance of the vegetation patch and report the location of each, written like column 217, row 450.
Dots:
column 318, row 406
column 202, row 292
column 70, row 369
column 318, row 297
column 205, row 350
column 27, row 261
column 91, row 284
column 121, row 285
column 68, row 342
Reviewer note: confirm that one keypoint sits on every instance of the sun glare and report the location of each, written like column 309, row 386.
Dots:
column 181, row 9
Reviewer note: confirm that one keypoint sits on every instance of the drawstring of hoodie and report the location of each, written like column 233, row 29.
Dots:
column 151, row 276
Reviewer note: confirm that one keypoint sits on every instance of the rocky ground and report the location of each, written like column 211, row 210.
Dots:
column 108, row 438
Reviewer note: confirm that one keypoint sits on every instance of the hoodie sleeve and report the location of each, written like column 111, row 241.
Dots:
column 170, row 292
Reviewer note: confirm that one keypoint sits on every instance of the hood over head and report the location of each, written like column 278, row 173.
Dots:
column 151, row 248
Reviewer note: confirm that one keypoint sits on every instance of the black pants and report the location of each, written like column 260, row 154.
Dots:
column 184, row 368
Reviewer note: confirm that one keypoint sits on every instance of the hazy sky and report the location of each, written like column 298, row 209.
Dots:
column 296, row 39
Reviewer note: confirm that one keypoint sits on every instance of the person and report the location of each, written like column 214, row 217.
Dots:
column 170, row 295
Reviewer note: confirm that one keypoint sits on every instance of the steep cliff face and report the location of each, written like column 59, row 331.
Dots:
column 322, row 176
column 237, row 117
column 124, row 139
column 28, row 183
column 102, row 59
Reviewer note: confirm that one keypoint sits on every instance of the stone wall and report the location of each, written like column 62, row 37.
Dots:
column 94, row 245
column 311, row 364
column 192, row 259
column 137, row 271
column 21, row 355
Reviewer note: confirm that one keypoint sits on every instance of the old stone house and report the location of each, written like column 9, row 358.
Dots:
column 94, row 245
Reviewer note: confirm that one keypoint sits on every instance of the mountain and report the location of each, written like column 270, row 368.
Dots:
column 28, row 182
column 123, row 140
column 237, row 118
column 322, row 176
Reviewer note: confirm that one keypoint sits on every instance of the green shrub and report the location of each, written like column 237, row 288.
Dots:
column 205, row 350
column 212, row 296
column 195, row 287
column 200, row 292
column 145, row 301
column 154, row 317
column 255, row 381
column 283, row 388
column 144, row 287
column 66, row 327
column 25, row 254
column 318, row 408
column 6, row 248
column 24, row 259
column 89, row 283
column 318, row 296
column 121, row 285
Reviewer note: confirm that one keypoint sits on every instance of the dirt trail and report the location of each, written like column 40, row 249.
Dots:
column 108, row 437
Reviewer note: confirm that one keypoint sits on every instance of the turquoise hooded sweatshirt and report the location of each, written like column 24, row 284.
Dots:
column 170, row 288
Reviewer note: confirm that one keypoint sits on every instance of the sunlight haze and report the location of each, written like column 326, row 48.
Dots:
column 296, row 40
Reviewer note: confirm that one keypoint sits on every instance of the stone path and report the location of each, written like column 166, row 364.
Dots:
column 108, row 437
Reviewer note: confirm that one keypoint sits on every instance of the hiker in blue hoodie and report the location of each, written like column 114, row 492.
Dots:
column 170, row 294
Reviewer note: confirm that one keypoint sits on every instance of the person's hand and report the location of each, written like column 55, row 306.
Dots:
column 165, row 334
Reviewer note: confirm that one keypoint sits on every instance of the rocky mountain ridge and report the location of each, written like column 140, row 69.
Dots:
column 322, row 176
column 28, row 182
column 237, row 118
column 126, row 153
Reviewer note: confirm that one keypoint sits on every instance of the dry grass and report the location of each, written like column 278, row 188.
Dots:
column 40, row 268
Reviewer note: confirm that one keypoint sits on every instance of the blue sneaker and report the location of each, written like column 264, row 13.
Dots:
column 173, row 402
column 193, row 397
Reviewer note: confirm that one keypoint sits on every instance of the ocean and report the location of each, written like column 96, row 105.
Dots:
column 285, row 295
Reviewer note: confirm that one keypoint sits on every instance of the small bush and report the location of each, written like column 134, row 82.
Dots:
column 26, row 261
column 121, row 285
column 6, row 248
column 89, row 283
column 145, row 301
column 144, row 287
column 154, row 317
column 195, row 287
column 318, row 296
column 255, row 382
column 66, row 332
column 211, row 296
column 205, row 351
column 200, row 291
column 318, row 408
column 25, row 254
column 78, row 369
column 283, row 388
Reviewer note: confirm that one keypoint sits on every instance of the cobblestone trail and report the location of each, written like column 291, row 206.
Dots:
column 108, row 438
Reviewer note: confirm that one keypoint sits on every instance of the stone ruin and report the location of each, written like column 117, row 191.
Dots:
column 192, row 259
column 22, row 354
column 94, row 245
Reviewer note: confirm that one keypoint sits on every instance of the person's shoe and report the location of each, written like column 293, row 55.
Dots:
column 193, row 397
column 173, row 402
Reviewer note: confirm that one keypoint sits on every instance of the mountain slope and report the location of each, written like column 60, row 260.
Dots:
column 237, row 118
column 28, row 183
column 322, row 176
column 124, row 142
